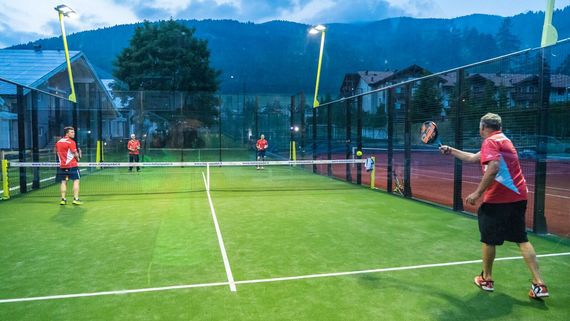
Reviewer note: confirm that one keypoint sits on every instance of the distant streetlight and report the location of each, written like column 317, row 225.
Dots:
column 314, row 31
column 66, row 11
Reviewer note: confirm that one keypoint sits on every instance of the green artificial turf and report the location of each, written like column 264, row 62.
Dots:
column 155, row 229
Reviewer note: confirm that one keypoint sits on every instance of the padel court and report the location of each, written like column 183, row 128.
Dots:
column 240, row 243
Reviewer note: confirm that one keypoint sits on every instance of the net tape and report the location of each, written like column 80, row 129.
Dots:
column 195, row 164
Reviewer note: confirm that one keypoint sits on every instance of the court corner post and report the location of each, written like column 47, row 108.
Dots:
column 373, row 173
column 293, row 151
column 98, row 154
column 5, row 185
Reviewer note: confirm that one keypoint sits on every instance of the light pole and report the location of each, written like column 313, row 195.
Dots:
column 314, row 31
column 549, row 33
column 64, row 10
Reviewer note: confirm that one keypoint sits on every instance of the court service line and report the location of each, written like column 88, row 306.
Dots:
column 287, row 278
column 220, row 239
column 401, row 268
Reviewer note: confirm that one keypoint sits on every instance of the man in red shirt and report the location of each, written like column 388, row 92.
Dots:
column 68, row 155
column 261, row 147
column 134, row 147
column 501, row 216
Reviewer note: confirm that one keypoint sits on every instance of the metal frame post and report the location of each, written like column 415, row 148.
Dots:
column 390, row 153
column 21, row 136
column 35, row 141
column 408, row 141
column 348, row 151
column 359, row 138
column 539, row 220
column 458, row 165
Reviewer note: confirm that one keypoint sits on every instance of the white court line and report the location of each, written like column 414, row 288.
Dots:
column 288, row 278
column 220, row 240
column 402, row 268
column 81, row 295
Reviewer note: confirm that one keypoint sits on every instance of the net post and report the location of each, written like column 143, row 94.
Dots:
column 293, row 151
column 98, row 154
column 5, row 183
column 373, row 174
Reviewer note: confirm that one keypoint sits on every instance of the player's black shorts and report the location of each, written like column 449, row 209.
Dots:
column 67, row 174
column 261, row 153
column 502, row 222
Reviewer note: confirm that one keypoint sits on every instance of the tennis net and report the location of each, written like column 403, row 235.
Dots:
column 98, row 179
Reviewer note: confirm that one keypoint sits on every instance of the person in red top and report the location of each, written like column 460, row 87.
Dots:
column 134, row 147
column 261, row 147
column 501, row 216
column 68, row 155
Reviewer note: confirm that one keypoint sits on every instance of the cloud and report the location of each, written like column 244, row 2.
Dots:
column 28, row 20
column 206, row 9
column 9, row 37
column 327, row 11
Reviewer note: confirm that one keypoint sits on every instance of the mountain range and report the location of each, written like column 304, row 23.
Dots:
column 281, row 57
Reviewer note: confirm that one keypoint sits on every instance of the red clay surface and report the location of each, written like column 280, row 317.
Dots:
column 432, row 180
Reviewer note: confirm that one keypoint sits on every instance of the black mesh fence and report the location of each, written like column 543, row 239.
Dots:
column 530, row 90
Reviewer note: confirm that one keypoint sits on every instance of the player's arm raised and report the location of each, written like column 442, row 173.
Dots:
column 462, row 155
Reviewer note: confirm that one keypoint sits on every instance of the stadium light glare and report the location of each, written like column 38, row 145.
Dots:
column 65, row 11
column 320, row 28
column 314, row 31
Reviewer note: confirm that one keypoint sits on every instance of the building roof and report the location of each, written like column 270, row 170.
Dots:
column 559, row 81
column 31, row 67
column 371, row 77
column 509, row 80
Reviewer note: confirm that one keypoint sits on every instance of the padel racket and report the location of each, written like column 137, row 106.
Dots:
column 428, row 133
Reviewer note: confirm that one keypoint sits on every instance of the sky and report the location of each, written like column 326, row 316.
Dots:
column 27, row 20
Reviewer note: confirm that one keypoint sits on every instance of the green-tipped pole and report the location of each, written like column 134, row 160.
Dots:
column 549, row 33
column 316, row 30
column 64, row 10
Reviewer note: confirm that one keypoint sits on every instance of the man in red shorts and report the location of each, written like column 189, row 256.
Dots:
column 261, row 147
column 68, row 155
column 501, row 216
column 134, row 147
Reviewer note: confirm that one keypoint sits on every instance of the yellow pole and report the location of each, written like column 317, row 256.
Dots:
column 293, row 151
column 373, row 174
column 315, row 100
column 98, row 153
column 549, row 33
column 5, row 185
column 72, row 96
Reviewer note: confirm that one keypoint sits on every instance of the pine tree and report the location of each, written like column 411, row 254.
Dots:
column 427, row 101
column 165, row 56
column 564, row 68
column 506, row 40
